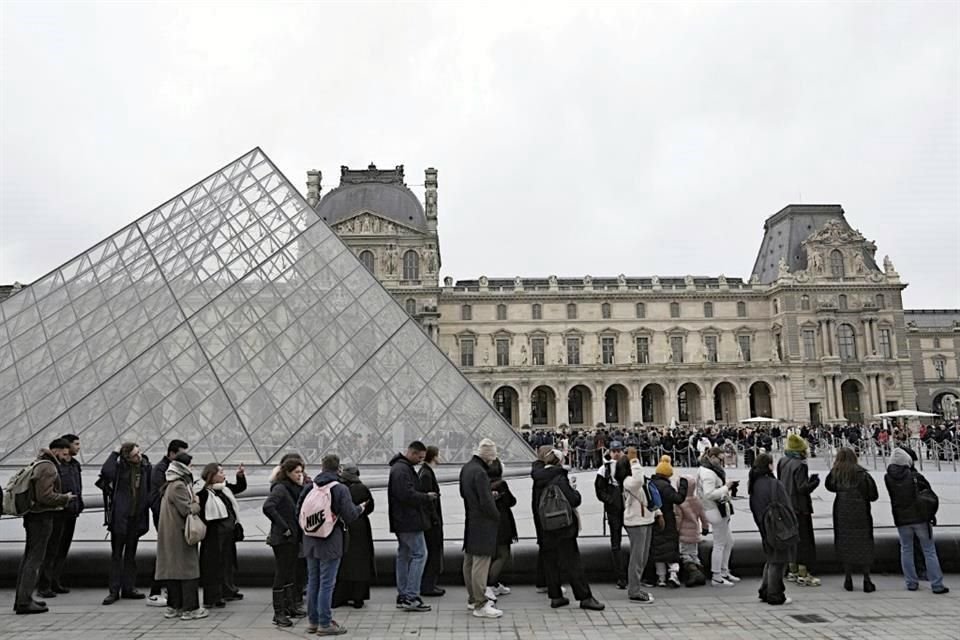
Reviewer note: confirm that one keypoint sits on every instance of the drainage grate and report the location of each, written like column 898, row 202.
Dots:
column 810, row 618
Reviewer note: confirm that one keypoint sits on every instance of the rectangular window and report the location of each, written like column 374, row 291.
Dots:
column 676, row 348
column 809, row 344
column 538, row 346
column 466, row 352
column 607, row 350
column 711, row 344
column 573, row 351
column 643, row 350
column 537, row 312
column 940, row 366
column 501, row 312
column 744, row 343
column 885, row 350
column 503, row 352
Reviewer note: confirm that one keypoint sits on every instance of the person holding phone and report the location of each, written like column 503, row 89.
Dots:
column 800, row 484
column 714, row 492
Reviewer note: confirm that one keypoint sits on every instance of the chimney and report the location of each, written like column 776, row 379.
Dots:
column 313, row 187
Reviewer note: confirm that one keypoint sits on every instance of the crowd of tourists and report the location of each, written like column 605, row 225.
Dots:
column 322, row 541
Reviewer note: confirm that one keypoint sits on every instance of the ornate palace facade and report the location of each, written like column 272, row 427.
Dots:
column 817, row 333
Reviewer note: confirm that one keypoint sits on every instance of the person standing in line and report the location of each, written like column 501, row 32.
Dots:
column 219, row 511
column 64, row 525
column 229, row 586
column 638, row 519
column 407, row 505
column 47, row 498
column 558, row 547
column 913, row 520
column 481, row 520
column 692, row 525
column 284, row 539
column 324, row 554
column 157, row 482
column 764, row 490
column 357, row 567
column 178, row 563
column 300, row 582
column 506, row 530
column 800, row 484
column 125, row 482
column 852, row 520
column 434, row 535
column 610, row 494
column 714, row 493
column 665, row 545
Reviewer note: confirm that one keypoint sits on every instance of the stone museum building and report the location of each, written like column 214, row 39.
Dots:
column 817, row 333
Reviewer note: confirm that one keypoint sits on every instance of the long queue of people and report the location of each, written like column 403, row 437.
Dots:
column 322, row 540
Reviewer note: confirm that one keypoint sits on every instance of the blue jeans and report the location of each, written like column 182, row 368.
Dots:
column 924, row 533
column 411, row 559
column 321, row 578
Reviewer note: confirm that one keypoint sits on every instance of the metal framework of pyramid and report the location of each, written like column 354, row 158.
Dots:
column 231, row 317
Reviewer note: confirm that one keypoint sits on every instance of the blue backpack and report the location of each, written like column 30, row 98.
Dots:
column 654, row 501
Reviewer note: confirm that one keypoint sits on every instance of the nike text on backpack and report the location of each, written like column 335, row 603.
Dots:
column 781, row 526
column 317, row 518
column 18, row 496
column 554, row 509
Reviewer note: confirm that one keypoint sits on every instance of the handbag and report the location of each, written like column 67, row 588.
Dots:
column 238, row 532
column 927, row 501
column 194, row 529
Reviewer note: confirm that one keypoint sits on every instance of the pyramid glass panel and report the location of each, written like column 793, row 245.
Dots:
column 231, row 317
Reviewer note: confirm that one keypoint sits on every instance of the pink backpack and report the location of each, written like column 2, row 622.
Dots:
column 317, row 518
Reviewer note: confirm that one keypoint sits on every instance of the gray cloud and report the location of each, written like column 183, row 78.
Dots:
column 603, row 139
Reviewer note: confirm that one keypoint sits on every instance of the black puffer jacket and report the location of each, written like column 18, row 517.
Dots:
column 903, row 484
column 72, row 482
column 542, row 477
column 665, row 545
column 281, row 508
column 407, row 503
column 796, row 479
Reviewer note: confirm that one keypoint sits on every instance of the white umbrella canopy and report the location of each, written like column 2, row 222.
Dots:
column 760, row 419
column 906, row 413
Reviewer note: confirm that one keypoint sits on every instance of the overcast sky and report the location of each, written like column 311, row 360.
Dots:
column 593, row 139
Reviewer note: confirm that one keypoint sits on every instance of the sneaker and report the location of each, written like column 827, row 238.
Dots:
column 941, row 591
column 673, row 582
column 732, row 578
column 792, row 577
column 541, row 589
column 808, row 581
column 487, row 611
column 156, row 601
column 788, row 600
column 720, row 582
column 471, row 606
column 401, row 601
column 661, row 582
column 170, row 612
column 312, row 628
column 415, row 606
column 133, row 594
column 643, row 598
column 111, row 598
column 501, row 590
column 332, row 629
column 592, row 604
column 490, row 594
column 196, row 614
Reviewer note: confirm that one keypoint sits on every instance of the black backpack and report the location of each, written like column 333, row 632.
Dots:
column 554, row 509
column 781, row 526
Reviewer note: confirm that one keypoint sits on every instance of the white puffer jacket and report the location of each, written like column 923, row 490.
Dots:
column 635, row 511
column 711, row 489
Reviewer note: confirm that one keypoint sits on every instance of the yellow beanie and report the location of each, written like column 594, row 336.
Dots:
column 664, row 469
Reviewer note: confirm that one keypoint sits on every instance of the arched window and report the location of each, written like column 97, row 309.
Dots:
column 836, row 263
column 411, row 265
column 881, row 301
column 466, row 312
column 571, row 311
column 842, row 302
column 367, row 260
column 605, row 310
column 741, row 309
column 641, row 310
column 411, row 306
column 805, row 303
column 537, row 312
column 674, row 309
column 848, row 342
column 501, row 312
column 707, row 309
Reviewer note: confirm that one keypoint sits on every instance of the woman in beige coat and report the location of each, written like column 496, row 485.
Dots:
column 178, row 563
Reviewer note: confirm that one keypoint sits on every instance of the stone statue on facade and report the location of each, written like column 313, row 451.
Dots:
column 774, row 352
column 655, row 281
column 588, row 281
column 365, row 224
column 517, row 283
column 783, row 270
column 486, row 357
column 390, row 259
column 552, row 280
column 484, row 282
column 430, row 259
column 621, row 280
column 888, row 265
column 559, row 355
column 688, row 281
column 448, row 281
column 859, row 266
column 739, row 352
column 816, row 262
column 722, row 280
column 523, row 355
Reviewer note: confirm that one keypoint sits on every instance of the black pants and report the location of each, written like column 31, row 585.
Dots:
column 772, row 587
column 64, row 526
column 563, row 556
column 229, row 585
column 38, row 527
column 615, row 521
column 213, row 561
column 434, row 567
column 123, row 559
column 285, row 565
column 183, row 595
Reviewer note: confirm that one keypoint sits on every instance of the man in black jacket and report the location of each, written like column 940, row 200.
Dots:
column 64, row 523
column 610, row 494
column 125, row 481
column 408, row 517
column 479, row 528
column 157, row 482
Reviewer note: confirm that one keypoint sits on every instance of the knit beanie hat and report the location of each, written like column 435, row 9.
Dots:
column 543, row 452
column 796, row 444
column 901, row 458
column 664, row 469
column 487, row 450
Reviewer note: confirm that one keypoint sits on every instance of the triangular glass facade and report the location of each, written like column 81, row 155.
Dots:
column 234, row 318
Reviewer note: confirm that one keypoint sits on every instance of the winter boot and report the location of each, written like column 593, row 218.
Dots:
column 279, row 609
column 294, row 606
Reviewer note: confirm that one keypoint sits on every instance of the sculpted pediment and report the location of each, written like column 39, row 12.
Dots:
column 366, row 223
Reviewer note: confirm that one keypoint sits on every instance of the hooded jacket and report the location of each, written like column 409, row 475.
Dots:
column 407, row 503
column 129, row 506
column 542, row 477
column 691, row 518
column 331, row 547
column 71, row 481
column 636, row 512
column 281, row 508
column 903, row 484
column 47, row 492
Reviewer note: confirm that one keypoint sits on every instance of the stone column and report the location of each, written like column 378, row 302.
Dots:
column 824, row 339
column 636, row 413
column 599, row 404
column 881, row 395
column 837, row 399
column 788, row 410
column 524, row 403
column 828, row 403
column 834, row 345
column 743, row 402
column 706, row 405
column 871, row 392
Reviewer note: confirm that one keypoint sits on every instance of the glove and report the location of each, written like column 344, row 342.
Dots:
column 573, row 481
column 705, row 532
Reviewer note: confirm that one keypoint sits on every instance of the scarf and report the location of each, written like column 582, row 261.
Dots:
column 216, row 508
column 709, row 464
column 178, row 471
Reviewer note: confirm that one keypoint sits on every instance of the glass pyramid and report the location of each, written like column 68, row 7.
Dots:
column 233, row 318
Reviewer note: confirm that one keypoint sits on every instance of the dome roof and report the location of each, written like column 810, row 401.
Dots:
column 390, row 201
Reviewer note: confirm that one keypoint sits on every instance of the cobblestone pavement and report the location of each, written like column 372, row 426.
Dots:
column 735, row 613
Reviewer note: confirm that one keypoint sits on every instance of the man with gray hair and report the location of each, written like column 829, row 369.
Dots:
column 479, row 528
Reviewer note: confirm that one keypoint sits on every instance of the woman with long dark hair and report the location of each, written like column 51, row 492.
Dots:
column 218, row 510
column 852, row 520
column 284, row 538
